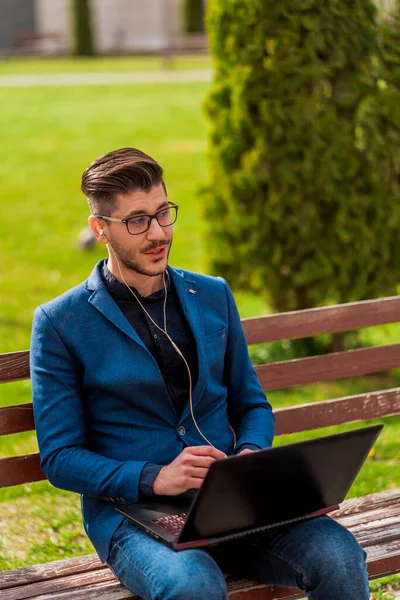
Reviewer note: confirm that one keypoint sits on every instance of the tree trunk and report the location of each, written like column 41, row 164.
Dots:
column 82, row 28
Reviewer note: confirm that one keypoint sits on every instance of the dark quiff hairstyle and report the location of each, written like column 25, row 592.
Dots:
column 122, row 172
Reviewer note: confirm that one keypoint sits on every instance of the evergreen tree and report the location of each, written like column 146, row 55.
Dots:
column 303, row 204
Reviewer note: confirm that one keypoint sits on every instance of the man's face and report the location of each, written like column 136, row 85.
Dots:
column 145, row 253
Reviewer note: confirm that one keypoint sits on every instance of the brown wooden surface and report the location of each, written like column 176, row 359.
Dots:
column 373, row 519
column 17, row 418
column 20, row 469
column 328, row 367
column 281, row 326
column 14, row 366
column 327, row 319
column 304, row 417
column 360, row 407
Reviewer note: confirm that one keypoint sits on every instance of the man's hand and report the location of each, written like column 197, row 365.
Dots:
column 187, row 471
column 246, row 451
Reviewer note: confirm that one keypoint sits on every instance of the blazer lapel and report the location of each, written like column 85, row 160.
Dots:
column 189, row 300
column 103, row 302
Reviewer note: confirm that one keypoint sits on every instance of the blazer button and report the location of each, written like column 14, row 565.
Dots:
column 181, row 430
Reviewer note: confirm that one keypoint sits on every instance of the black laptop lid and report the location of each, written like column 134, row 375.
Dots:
column 278, row 484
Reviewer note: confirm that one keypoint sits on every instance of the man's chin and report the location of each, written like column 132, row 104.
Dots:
column 157, row 268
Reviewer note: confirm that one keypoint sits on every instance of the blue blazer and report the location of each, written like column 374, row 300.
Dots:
column 101, row 407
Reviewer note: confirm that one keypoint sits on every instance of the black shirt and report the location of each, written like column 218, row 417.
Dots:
column 171, row 365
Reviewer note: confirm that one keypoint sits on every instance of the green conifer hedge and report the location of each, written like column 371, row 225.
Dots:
column 304, row 199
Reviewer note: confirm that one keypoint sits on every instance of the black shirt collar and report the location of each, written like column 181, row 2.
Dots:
column 118, row 289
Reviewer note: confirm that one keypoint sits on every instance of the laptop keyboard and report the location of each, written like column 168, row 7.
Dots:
column 171, row 523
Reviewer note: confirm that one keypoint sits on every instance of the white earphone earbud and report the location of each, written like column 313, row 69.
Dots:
column 101, row 232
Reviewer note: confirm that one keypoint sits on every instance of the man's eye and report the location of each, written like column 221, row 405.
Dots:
column 138, row 221
column 163, row 213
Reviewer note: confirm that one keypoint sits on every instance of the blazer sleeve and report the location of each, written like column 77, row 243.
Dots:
column 250, row 414
column 59, row 414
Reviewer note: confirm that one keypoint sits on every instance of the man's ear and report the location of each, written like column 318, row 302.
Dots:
column 97, row 227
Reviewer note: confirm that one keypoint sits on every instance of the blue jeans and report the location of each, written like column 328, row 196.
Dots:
column 318, row 556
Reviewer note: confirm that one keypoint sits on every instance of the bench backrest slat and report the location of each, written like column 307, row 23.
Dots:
column 17, row 418
column 20, row 469
column 349, row 409
column 26, row 469
column 326, row 319
column 304, row 417
column 338, row 365
column 14, row 366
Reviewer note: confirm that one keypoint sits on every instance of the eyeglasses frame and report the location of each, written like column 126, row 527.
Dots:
column 151, row 217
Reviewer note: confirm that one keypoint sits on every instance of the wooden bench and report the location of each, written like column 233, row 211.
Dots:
column 374, row 519
column 31, row 42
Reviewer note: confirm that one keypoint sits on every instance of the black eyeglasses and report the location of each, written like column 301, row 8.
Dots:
column 135, row 225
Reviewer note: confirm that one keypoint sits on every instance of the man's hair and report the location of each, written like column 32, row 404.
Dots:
column 121, row 171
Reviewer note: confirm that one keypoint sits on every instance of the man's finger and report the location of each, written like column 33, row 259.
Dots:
column 206, row 451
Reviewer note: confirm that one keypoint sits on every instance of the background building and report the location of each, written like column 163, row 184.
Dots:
column 119, row 26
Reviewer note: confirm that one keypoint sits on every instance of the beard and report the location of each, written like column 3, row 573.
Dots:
column 135, row 260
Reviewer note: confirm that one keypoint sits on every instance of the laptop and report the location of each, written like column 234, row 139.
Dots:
column 250, row 493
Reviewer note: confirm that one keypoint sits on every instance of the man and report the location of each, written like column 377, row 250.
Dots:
column 139, row 375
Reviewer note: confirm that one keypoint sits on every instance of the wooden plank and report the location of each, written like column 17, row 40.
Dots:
column 373, row 527
column 348, row 409
column 20, row 469
column 51, row 570
column 17, row 418
column 382, row 500
column 352, row 507
column 328, row 367
column 326, row 319
column 102, row 591
column 109, row 589
column 303, row 417
column 389, row 565
column 375, row 521
column 290, row 325
column 37, row 589
column 269, row 592
column 14, row 366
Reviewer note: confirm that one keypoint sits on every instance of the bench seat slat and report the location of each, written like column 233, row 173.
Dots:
column 79, row 578
column 326, row 319
column 352, row 508
column 373, row 520
column 384, row 499
column 50, row 570
column 328, row 367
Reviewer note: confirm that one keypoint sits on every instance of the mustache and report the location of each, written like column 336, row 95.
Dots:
column 155, row 246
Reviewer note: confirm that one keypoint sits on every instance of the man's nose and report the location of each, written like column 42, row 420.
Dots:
column 155, row 231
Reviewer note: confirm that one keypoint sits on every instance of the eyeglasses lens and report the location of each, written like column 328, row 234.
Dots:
column 141, row 224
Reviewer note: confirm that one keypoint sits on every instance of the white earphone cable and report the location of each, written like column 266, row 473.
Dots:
column 169, row 338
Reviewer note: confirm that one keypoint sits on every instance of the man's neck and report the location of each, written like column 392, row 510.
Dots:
column 144, row 284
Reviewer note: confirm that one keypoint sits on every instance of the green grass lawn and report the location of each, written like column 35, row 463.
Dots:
column 22, row 66
column 48, row 136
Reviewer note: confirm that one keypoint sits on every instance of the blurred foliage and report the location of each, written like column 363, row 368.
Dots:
column 194, row 11
column 82, row 27
column 303, row 204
